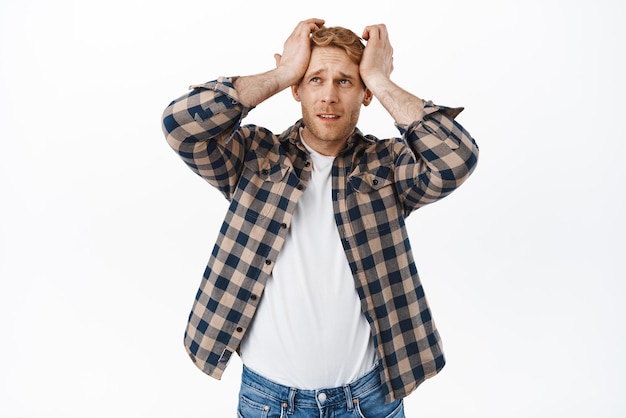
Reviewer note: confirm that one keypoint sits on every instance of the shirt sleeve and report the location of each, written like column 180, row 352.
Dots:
column 441, row 155
column 201, row 125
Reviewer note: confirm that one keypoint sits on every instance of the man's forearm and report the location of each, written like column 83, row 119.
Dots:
column 290, row 67
column 254, row 89
column 403, row 106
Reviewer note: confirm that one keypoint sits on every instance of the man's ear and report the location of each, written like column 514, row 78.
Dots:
column 294, row 93
column 367, row 99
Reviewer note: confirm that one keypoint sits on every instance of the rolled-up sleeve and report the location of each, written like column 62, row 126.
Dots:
column 208, row 110
column 443, row 156
column 200, row 126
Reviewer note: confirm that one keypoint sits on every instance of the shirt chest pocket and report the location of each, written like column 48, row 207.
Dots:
column 371, row 180
column 374, row 196
column 261, row 186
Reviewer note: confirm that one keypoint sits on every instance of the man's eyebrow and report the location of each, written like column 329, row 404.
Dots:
column 345, row 75
column 318, row 72
column 341, row 74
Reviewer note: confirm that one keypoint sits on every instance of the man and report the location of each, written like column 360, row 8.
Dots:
column 312, row 280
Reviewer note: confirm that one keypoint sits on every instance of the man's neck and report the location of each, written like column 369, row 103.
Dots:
column 323, row 147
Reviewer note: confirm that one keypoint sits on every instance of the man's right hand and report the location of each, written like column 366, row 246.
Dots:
column 290, row 67
column 294, row 61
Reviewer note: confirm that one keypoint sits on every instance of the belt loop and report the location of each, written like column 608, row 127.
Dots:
column 292, row 401
column 349, row 401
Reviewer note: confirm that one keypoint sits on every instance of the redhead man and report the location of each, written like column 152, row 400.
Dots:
column 312, row 280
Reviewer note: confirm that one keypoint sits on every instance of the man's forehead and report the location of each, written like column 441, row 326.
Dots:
column 325, row 60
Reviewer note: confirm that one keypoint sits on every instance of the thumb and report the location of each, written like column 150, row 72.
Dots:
column 277, row 57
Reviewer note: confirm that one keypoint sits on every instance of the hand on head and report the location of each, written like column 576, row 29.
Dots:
column 376, row 62
column 297, row 49
column 377, row 57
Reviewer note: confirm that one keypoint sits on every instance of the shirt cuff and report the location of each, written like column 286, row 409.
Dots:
column 225, row 85
column 431, row 113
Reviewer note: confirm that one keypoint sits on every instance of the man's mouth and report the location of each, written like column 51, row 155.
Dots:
column 328, row 116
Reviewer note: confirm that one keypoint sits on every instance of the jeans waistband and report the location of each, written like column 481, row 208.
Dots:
column 294, row 397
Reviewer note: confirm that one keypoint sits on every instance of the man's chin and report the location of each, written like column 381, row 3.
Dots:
column 329, row 134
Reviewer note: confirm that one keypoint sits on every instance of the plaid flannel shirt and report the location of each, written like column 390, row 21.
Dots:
column 376, row 185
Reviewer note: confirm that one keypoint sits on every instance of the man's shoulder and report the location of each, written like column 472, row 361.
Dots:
column 263, row 140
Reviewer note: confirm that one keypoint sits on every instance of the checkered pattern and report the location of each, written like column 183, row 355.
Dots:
column 376, row 184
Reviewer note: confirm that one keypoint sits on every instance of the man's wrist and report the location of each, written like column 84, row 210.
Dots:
column 285, row 77
column 254, row 89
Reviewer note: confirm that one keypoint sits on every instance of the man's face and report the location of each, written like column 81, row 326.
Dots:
column 331, row 94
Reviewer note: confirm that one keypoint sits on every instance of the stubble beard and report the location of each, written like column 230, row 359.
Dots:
column 335, row 136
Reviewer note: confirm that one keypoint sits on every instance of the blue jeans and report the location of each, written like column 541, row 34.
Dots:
column 364, row 398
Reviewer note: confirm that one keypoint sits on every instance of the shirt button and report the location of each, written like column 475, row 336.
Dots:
column 299, row 187
column 239, row 329
column 253, row 297
column 268, row 262
column 307, row 164
column 321, row 397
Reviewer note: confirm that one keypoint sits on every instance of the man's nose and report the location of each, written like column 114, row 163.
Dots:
column 329, row 94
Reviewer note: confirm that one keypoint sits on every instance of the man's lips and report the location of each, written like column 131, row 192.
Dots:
column 328, row 116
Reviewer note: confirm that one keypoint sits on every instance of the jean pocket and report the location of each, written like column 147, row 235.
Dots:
column 250, row 409
column 370, row 409
column 255, row 404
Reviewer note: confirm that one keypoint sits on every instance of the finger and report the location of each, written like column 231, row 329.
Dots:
column 375, row 32
column 318, row 22
column 384, row 35
column 371, row 33
column 312, row 25
column 366, row 33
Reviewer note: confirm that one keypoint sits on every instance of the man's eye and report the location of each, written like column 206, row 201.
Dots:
column 344, row 82
column 315, row 80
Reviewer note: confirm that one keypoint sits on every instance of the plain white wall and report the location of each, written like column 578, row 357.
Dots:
column 104, row 233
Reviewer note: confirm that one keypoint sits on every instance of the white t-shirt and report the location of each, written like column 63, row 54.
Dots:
column 308, row 331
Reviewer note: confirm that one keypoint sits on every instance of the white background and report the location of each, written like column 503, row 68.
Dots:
column 104, row 233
